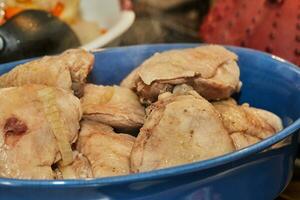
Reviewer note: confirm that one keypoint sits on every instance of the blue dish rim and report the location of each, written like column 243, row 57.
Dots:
column 182, row 169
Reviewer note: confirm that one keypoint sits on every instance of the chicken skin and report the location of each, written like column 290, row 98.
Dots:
column 179, row 129
column 107, row 151
column 112, row 105
column 247, row 125
column 211, row 70
column 80, row 168
column 67, row 71
column 29, row 139
column 53, row 125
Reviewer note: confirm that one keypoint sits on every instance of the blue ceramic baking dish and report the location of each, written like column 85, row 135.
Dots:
column 249, row 174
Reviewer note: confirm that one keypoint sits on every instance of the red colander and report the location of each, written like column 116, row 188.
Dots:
column 269, row 25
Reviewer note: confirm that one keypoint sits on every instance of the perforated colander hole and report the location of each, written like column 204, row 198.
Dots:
column 248, row 31
column 275, row 2
column 244, row 5
column 259, row 11
column 297, row 52
column 242, row 44
column 271, row 36
column 268, row 49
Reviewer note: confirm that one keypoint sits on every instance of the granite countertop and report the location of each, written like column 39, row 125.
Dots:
column 177, row 21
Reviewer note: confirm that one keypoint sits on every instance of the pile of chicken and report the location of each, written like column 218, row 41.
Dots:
column 55, row 126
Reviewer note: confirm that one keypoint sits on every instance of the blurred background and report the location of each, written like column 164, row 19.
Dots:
column 267, row 25
column 30, row 28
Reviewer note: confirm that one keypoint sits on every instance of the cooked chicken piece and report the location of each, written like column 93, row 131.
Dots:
column 37, row 126
column 269, row 117
column 79, row 169
column 211, row 70
column 222, row 85
column 247, row 125
column 242, row 140
column 130, row 80
column 112, row 105
column 67, row 70
column 107, row 151
column 179, row 129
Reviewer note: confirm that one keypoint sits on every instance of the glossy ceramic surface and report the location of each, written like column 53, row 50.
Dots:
column 108, row 15
column 268, row 82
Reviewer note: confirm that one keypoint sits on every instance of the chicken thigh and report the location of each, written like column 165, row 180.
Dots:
column 211, row 70
column 67, row 70
column 107, row 151
column 79, row 169
column 179, row 129
column 247, row 125
column 112, row 105
column 38, row 124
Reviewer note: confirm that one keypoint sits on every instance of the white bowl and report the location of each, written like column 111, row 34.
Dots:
column 109, row 15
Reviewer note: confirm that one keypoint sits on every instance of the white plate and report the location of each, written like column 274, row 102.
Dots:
column 108, row 14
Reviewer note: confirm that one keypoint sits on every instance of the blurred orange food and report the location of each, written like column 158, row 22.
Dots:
column 58, row 9
column 11, row 11
column 66, row 10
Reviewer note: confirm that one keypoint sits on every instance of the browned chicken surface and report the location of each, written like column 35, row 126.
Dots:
column 42, row 137
column 107, row 151
column 179, row 129
column 113, row 105
column 29, row 143
column 242, row 140
column 247, row 125
column 67, row 70
column 211, row 70
column 79, row 169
